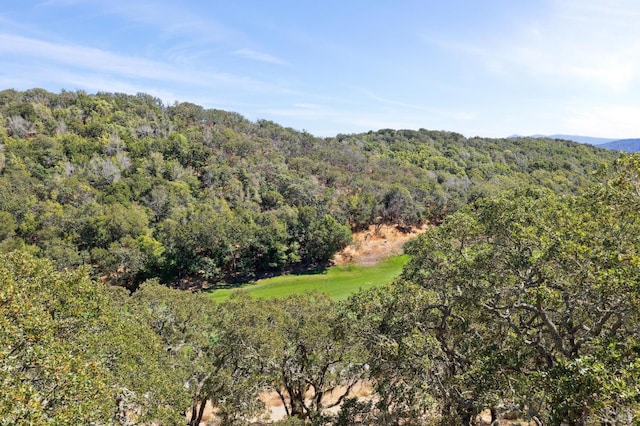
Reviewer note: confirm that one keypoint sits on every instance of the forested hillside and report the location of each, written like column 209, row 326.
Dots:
column 524, row 298
column 524, row 305
column 137, row 189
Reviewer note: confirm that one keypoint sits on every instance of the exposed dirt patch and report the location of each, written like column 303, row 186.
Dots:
column 376, row 243
column 274, row 409
column 363, row 391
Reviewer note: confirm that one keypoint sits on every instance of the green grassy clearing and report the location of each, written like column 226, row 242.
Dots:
column 338, row 281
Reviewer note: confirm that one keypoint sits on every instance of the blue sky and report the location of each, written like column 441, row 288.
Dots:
column 481, row 68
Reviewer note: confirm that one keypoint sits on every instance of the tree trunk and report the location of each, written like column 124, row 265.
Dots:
column 197, row 411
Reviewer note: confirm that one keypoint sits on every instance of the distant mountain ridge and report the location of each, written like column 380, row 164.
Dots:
column 628, row 145
column 583, row 139
column 575, row 138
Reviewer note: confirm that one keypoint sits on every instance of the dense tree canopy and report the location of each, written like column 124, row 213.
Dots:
column 523, row 298
column 137, row 189
column 525, row 302
column 532, row 298
column 70, row 353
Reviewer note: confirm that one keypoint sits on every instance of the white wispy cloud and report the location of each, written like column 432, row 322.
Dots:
column 166, row 17
column 68, row 79
column 259, row 56
column 90, row 59
column 10, row 81
column 318, row 113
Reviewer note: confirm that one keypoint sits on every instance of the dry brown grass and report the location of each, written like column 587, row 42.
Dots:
column 370, row 247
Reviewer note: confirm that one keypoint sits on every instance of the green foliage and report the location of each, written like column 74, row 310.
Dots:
column 205, row 350
column 392, row 322
column 546, row 283
column 83, row 176
column 526, row 302
column 7, row 225
column 44, row 374
column 527, row 298
column 302, row 347
column 70, row 355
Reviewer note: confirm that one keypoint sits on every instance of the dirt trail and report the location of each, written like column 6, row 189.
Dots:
column 370, row 247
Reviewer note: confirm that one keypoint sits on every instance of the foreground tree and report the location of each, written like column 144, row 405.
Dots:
column 316, row 358
column 300, row 347
column 70, row 355
column 43, row 375
column 393, row 323
column 554, row 281
column 211, row 348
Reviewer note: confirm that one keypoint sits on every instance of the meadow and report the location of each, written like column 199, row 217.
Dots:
column 337, row 281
